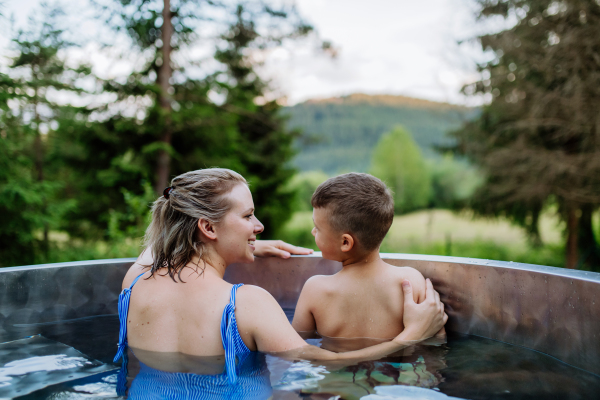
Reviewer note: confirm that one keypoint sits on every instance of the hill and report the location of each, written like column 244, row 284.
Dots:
column 341, row 132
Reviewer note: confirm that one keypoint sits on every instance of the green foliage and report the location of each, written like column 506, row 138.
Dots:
column 537, row 141
column 304, row 185
column 452, row 182
column 264, row 146
column 340, row 134
column 298, row 230
column 24, row 208
column 89, row 171
column 32, row 203
column 133, row 222
column 98, row 161
column 398, row 162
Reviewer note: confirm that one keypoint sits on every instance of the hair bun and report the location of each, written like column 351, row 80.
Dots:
column 167, row 192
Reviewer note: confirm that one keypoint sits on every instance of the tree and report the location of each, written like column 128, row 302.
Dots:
column 243, row 133
column 162, row 27
column 264, row 147
column 538, row 140
column 398, row 162
column 28, row 114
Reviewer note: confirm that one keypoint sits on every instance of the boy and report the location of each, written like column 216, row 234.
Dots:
column 352, row 214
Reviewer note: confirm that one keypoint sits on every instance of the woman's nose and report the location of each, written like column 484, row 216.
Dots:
column 258, row 226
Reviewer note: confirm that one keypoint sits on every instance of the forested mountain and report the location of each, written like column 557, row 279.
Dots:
column 340, row 133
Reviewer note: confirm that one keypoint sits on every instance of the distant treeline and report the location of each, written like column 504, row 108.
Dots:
column 417, row 182
column 340, row 134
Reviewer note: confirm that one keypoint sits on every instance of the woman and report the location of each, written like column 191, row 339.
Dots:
column 180, row 303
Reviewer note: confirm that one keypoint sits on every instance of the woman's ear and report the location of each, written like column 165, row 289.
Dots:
column 207, row 229
column 347, row 242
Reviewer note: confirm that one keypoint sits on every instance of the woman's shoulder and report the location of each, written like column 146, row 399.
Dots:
column 141, row 265
column 134, row 271
column 252, row 293
column 253, row 301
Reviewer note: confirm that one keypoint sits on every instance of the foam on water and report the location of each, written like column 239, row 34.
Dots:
column 399, row 392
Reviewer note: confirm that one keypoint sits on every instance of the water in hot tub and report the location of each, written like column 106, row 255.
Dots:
column 464, row 367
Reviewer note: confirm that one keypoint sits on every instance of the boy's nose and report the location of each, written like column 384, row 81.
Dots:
column 314, row 231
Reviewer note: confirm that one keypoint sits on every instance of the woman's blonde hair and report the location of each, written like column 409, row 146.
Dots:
column 172, row 234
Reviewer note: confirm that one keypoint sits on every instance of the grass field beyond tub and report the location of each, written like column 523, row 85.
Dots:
column 442, row 232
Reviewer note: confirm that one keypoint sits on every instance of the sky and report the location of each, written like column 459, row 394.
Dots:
column 400, row 47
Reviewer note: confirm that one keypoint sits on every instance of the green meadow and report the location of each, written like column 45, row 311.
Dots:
column 442, row 232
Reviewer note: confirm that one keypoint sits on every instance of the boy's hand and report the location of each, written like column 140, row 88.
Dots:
column 278, row 248
column 421, row 321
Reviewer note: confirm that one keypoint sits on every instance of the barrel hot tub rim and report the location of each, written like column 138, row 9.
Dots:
column 543, row 269
column 549, row 310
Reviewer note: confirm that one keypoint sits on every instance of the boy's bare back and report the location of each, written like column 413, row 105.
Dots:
column 352, row 213
column 363, row 300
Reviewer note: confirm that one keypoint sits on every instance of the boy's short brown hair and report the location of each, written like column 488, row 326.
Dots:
column 359, row 204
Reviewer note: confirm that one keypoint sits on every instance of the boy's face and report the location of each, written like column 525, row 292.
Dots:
column 328, row 240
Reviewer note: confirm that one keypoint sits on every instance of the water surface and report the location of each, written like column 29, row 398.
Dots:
column 465, row 367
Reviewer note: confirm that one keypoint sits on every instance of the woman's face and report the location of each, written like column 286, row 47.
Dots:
column 237, row 231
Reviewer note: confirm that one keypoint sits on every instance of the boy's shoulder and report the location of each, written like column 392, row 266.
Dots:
column 319, row 285
column 405, row 272
column 319, row 280
column 416, row 279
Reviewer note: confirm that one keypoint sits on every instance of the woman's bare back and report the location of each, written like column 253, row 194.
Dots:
column 164, row 315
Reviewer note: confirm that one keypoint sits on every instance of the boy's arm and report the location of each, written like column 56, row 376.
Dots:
column 304, row 320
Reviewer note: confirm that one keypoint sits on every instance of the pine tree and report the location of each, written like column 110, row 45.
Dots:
column 120, row 151
column 539, row 139
column 264, row 147
column 29, row 202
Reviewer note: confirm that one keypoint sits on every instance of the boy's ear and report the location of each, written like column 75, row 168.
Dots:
column 207, row 229
column 347, row 242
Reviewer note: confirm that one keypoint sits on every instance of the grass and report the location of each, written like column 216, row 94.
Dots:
column 442, row 232
column 433, row 232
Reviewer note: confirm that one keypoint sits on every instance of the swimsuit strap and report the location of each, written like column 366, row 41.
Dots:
column 123, row 311
column 232, row 342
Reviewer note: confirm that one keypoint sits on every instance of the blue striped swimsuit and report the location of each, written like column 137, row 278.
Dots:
column 253, row 383
column 212, row 386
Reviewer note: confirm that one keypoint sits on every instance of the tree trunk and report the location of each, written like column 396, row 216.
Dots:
column 38, row 144
column 533, row 229
column 588, row 246
column 572, row 255
column 38, row 148
column 164, row 100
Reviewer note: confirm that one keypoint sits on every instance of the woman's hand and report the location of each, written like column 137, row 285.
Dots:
column 421, row 321
column 278, row 248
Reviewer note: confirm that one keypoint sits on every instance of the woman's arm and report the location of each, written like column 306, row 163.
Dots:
column 264, row 248
column 278, row 248
column 264, row 326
